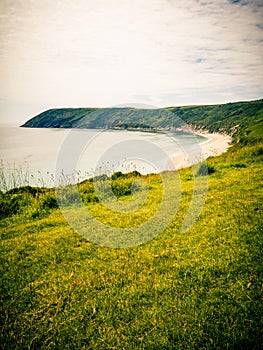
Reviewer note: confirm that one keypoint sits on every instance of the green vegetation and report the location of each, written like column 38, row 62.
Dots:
column 234, row 118
column 205, row 169
column 240, row 118
column 132, row 126
column 195, row 290
column 59, row 118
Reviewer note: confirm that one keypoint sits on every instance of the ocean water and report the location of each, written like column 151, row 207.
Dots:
column 37, row 156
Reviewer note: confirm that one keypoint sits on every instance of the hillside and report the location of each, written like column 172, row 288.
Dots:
column 230, row 118
column 199, row 289
column 195, row 290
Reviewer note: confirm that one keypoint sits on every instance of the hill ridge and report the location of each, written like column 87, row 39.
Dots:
column 239, row 118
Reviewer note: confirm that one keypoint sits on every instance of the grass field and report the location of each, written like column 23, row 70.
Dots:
column 200, row 289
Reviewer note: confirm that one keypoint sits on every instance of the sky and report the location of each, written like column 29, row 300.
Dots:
column 86, row 53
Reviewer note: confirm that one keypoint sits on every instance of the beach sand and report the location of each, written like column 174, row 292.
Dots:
column 214, row 146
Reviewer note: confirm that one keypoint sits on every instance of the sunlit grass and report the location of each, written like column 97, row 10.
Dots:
column 194, row 290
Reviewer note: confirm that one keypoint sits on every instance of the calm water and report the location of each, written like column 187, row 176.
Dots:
column 39, row 155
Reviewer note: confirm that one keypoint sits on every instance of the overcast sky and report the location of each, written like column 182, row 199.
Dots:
column 74, row 53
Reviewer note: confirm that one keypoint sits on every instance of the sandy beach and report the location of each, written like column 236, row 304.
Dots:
column 214, row 146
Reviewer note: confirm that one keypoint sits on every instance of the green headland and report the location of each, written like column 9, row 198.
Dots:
column 231, row 118
column 199, row 289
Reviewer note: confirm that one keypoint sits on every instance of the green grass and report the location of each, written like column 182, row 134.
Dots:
column 200, row 289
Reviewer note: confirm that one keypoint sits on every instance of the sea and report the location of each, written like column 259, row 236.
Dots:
column 48, row 156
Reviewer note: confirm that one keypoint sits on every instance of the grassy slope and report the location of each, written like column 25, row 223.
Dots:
column 194, row 290
column 225, row 117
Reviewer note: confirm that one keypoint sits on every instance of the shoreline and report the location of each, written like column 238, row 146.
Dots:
column 216, row 145
column 35, row 169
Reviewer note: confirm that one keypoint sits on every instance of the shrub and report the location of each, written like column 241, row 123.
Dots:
column 26, row 189
column 68, row 196
column 9, row 205
column 121, row 188
column 205, row 169
column 119, row 174
column 49, row 202
column 258, row 151
column 238, row 165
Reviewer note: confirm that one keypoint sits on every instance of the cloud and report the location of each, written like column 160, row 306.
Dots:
column 199, row 60
column 108, row 52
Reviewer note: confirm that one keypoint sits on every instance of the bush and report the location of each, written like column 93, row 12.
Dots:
column 49, row 202
column 120, row 184
column 90, row 198
column 121, row 188
column 9, row 205
column 238, row 165
column 258, row 151
column 205, row 169
column 68, row 196
column 34, row 191
column 119, row 174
